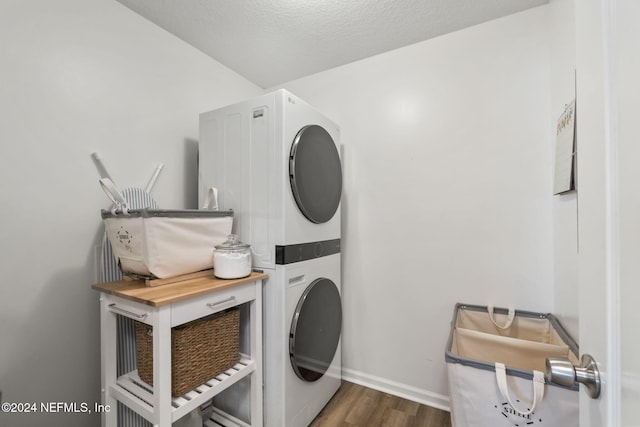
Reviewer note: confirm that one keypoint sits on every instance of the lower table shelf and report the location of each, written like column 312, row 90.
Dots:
column 138, row 395
column 221, row 419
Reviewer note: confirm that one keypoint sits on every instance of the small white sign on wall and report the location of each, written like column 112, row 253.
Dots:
column 565, row 151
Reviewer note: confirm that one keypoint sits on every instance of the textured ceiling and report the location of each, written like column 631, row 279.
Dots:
column 274, row 41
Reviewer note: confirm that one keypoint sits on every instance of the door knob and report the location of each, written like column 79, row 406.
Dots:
column 561, row 371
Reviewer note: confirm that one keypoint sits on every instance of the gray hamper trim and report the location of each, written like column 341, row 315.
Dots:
column 167, row 213
column 452, row 358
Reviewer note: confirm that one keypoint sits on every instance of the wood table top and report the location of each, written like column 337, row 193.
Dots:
column 156, row 296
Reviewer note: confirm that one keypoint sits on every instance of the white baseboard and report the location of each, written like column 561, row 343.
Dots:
column 404, row 391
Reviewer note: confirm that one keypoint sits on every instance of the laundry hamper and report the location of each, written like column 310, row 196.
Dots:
column 495, row 363
column 162, row 243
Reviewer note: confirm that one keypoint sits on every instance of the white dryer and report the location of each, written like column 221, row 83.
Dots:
column 276, row 163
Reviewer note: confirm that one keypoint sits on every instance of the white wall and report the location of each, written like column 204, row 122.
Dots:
column 565, row 206
column 79, row 76
column 447, row 192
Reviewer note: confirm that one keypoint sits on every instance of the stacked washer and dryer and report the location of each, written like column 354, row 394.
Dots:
column 275, row 161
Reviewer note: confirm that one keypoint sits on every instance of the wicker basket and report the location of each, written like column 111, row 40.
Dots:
column 200, row 350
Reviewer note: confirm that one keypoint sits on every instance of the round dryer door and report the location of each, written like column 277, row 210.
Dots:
column 315, row 330
column 315, row 174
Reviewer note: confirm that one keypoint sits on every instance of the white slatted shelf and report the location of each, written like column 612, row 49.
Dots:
column 221, row 418
column 138, row 395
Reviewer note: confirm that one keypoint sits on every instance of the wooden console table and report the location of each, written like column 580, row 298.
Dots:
column 164, row 307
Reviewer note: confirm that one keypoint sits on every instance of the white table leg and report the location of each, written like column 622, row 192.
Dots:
column 162, row 366
column 108, row 360
column 255, row 314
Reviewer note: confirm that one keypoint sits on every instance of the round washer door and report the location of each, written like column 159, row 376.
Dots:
column 315, row 330
column 315, row 173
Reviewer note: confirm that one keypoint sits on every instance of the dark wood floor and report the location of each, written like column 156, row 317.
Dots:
column 354, row 405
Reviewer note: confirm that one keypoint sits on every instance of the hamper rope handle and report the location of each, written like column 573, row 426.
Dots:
column 211, row 199
column 538, row 389
column 110, row 189
column 507, row 324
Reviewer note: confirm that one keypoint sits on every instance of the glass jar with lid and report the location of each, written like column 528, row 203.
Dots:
column 232, row 259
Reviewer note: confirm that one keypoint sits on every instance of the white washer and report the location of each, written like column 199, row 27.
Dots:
column 302, row 335
column 276, row 163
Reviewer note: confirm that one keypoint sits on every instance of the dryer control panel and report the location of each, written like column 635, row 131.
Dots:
column 305, row 251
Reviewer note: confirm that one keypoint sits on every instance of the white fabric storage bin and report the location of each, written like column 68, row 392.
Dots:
column 532, row 327
column 166, row 243
column 494, row 368
column 512, row 352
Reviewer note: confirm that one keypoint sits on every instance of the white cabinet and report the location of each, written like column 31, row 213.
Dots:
column 164, row 307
